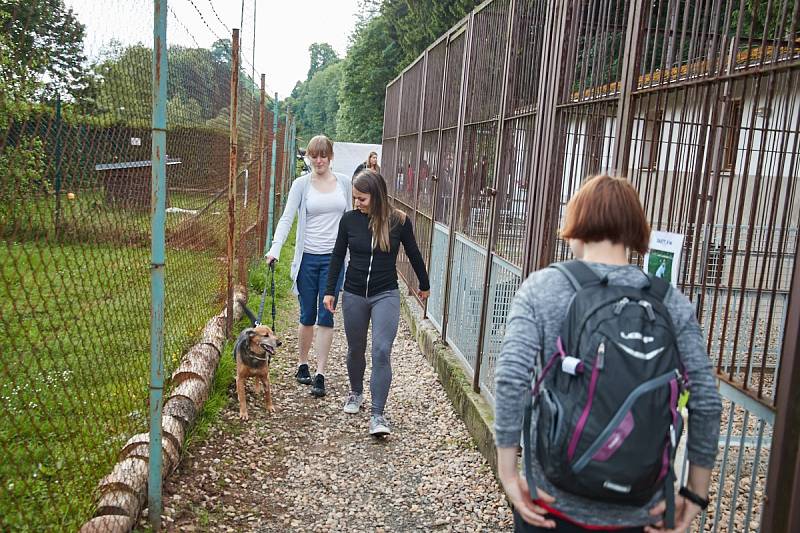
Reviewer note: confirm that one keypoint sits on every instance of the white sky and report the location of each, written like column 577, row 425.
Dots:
column 284, row 29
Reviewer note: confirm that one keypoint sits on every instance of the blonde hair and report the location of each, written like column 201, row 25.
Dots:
column 320, row 145
column 382, row 216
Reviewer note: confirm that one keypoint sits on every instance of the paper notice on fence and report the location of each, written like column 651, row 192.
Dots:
column 663, row 260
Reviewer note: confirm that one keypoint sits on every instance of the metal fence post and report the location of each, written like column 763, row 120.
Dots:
column 462, row 111
column 261, row 168
column 781, row 512
column 58, row 157
column 158, row 215
column 271, row 190
column 487, row 277
column 234, row 140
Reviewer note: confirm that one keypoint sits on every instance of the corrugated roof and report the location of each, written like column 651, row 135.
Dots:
column 134, row 164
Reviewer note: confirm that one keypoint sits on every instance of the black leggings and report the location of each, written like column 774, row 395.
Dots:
column 562, row 526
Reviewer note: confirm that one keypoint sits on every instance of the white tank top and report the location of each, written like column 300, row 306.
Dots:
column 323, row 212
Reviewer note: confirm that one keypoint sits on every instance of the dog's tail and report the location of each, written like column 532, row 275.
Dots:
column 249, row 313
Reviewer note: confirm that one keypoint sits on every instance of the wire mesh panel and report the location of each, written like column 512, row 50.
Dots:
column 438, row 263
column 405, row 177
column 75, row 232
column 466, row 297
column 504, row 281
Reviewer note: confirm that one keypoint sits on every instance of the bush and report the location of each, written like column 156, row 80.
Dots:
column 23, row 175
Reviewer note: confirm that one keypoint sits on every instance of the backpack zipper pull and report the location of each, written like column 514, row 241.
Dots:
column 601, row 355
column 649, row 308
column 620, row 305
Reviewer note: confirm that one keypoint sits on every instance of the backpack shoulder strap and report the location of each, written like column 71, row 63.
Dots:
column 658, row 288
column 578, row 273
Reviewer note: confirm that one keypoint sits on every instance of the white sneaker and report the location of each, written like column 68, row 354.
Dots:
column 353, row 403
column 378, row 426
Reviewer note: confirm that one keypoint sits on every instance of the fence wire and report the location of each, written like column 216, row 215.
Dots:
column 75, row 192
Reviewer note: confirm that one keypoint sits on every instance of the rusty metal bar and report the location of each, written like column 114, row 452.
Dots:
column 781, row 511
column 630, row 75
column 544, row 162
column 233, row 159
column 492, row 193
column 261, row 168
column 458, row 174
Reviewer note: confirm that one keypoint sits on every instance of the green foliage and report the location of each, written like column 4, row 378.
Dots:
column 23, row 174
column 41, row 51
column 125, row 91
column 415, row 24
column 315, row 102
column 322, row 56
column 371, row 63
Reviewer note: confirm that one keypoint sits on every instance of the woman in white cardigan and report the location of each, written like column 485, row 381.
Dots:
column 318, row 199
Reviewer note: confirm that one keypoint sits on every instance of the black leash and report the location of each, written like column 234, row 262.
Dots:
column 264, row 297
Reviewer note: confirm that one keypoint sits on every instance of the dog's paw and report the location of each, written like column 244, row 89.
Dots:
column 271, row 408
column 244, row 416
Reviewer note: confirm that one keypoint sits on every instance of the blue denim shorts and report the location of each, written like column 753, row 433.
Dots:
column 312, row 279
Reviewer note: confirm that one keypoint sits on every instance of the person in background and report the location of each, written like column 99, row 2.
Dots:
column 604, row 221
column 318, row 199
column 371, row 163
column 372, row 233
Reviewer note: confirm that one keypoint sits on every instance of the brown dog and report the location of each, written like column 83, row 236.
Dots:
column 253, row 351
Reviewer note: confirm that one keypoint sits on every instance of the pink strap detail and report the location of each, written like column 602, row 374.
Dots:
column 573, row 443
column 559, row 352
column 673, row 407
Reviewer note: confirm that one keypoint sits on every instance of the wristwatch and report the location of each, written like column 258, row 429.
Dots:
column 694, row 497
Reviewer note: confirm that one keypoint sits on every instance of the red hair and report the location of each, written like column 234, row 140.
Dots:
column 607, row 208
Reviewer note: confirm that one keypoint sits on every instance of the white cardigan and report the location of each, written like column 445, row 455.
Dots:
column 295, row 205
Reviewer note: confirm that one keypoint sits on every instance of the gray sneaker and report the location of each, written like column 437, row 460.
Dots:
column 353, row 403
column 378, row 426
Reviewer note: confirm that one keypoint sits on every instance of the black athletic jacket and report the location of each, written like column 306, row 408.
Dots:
column 377, row 266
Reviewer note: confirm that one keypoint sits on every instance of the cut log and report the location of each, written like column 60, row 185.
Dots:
column 129, row 474
column 195, row 389
column 121, row 494
column 108, row 524
column 173, row 429
column 182, row 408
column 119, row 502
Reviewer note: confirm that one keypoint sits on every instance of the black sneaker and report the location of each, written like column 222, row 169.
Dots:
column 303, row 375
column 318, row 389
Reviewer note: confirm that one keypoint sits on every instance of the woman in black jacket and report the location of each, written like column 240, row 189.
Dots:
column 372, row 233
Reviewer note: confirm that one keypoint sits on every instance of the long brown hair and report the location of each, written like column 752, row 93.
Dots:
column 377, row 167
column 382, row 216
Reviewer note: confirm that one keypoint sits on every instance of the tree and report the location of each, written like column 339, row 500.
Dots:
column 125, row 90
column 371, row 63
column 322, row 55
column 41, row 51
column 415, row 24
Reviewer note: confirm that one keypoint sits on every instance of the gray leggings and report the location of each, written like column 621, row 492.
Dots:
column 384, row 311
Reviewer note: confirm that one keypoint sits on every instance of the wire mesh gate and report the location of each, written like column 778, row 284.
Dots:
column 493, row 128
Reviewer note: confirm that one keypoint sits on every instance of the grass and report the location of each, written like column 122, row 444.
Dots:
column 75, row 345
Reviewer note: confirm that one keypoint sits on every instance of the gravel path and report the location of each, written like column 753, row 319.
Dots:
column 311, row 467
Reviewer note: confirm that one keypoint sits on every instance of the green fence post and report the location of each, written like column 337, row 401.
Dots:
column 158, row 204
column 272, row 171
column 58, row 155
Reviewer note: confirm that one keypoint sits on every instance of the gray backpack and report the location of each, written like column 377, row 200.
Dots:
column 607, row 400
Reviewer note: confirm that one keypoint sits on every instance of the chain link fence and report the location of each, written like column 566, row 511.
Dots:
column 75, row 195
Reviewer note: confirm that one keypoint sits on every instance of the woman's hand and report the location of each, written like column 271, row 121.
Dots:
column 329, row 302
column 270, row 259
column 423, row 295
column 685, row 513
column 516, row 489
